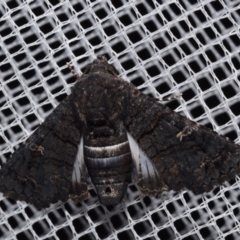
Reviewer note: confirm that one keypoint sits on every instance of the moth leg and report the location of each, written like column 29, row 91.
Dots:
column 167, row 99
column 72, row 70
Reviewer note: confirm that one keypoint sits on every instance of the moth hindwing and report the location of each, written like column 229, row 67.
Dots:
column 109, row 133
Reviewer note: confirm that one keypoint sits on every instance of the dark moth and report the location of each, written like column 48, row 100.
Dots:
column 108, row 132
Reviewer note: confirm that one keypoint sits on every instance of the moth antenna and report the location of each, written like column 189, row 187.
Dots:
column 167, row 99
column 72, row 70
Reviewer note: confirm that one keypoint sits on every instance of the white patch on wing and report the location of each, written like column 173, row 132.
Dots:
column 106, row 148
column 143, row 164
column 78, row 164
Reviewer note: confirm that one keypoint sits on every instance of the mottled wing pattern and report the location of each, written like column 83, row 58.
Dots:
column 183, row 153
column 168, row 150
column 40, row 172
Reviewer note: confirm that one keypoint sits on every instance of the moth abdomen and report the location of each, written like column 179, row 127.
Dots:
column 110, row 169
column 118, row 168
column 108, row 162
column 106, row 151
column 103, row 178
column 114, row 167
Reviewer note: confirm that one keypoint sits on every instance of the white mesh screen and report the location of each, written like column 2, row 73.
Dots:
column 162, row 46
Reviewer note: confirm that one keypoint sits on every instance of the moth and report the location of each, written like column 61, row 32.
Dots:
column 107, row 132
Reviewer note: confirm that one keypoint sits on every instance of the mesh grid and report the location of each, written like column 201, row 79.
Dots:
column 163, row 47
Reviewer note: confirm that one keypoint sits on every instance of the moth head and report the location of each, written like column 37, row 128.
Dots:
column 100, row 65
